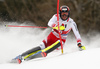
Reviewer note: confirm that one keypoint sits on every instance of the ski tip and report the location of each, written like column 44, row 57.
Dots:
column 17, row 61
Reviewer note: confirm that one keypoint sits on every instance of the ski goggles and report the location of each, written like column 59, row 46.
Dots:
column 64, row 14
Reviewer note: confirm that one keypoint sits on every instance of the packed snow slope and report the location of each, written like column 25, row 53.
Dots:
column 89, row 59
column 14, row 41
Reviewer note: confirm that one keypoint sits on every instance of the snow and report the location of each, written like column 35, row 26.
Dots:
column 79, row 60
column 14, row 41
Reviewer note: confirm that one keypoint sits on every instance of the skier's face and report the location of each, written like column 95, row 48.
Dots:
column 64, row 15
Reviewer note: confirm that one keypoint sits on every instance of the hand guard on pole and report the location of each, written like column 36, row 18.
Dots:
column 61, row 28
column 81, row 47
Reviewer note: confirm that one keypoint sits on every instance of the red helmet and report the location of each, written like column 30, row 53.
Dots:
column 64, row 9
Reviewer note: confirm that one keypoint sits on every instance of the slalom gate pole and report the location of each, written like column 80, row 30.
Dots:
column 58, row 26
column 24, row 26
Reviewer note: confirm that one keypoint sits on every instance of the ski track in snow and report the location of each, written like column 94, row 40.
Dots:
column 14, row 41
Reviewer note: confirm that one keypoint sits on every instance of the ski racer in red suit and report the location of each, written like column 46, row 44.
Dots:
column 66, row 25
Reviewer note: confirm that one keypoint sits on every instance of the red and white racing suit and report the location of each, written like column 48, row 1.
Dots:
column 54, row 35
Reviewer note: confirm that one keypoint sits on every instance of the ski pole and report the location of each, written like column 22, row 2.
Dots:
column 24, row 26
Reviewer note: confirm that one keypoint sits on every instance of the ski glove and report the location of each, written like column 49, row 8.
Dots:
column 61, row 28
column 81, row 47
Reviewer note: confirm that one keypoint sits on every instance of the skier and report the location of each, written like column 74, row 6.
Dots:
column 66, row 24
